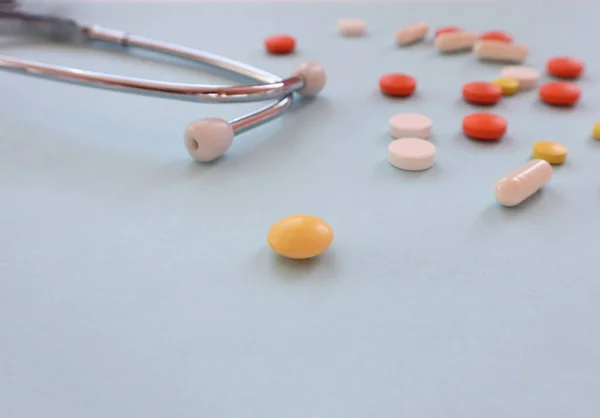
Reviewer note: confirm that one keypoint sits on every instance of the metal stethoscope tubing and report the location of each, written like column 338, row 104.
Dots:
column 205, row 139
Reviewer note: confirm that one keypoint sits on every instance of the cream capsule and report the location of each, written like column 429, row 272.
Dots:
column 522, row 183
column 500, row 51
column 412, row 33
column 455, row 41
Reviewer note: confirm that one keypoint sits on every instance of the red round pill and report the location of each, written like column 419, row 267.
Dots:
column 560, row 93
column 280, row 44
column 496, row 35
column 397, row 84
column 484, row 126
column 565, row 67
column 446, row 29
column 482, row 92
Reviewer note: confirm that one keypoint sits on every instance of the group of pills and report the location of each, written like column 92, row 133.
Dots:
column 304, row 236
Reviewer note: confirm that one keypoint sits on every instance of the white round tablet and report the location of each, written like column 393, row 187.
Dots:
column 352, row 27
column 410, row 125
column 526, row 76
column 413, row 154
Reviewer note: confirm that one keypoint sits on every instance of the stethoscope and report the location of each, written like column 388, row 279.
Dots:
column 205, row 139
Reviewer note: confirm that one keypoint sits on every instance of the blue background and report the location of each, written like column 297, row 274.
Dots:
column 136, row 283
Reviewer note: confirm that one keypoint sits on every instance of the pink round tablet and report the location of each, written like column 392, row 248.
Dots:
column 412, row 154
column 410, row 125
column 526, row 76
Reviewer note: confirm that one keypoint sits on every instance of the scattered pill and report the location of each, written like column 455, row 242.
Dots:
column 526, row 76
column 553, row 152
column 560, row 93
column 484, row 126
column 397, row 84
column 565, row 67
column 412, row 33
column 596, row 131
column 412, row 154
column 481, row 92
column 410, row 125
column 496, row 35
column 500, row 51
column 509, row 86
column 523, row 182
column 300, row 236
column 446, row 29
column 280, row 44
column 455, row 41
column 352, row 27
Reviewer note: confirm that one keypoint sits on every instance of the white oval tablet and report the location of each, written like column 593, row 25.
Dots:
column 352, row 27
column 500, row 51
column 455, row 41
column 526, row 76
column 412, row 33
column 410, row 125
column 412, row 154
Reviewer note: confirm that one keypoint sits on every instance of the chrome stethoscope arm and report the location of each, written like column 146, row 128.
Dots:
column 308, row 79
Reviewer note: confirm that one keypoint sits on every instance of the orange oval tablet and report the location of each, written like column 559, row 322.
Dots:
column 280, row 44
column 560, row 93
column 482, row 92
column 565, row 67
column 397, row 84
column 484, row 126
column 446, row 29
column 496, row 35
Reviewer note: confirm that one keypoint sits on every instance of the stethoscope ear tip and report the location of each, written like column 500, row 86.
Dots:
column 208, row 139
column 314, row 76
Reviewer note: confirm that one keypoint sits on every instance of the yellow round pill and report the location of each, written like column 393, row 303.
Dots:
column 509, row 86
column 597, row 131
column 300, row 236
column 553, row 152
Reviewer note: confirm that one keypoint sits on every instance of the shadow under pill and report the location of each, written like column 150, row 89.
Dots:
column 459, row 53
column 546, row 199
column 415, row 97
column 413, row 45
column 482, row 143
column 430, row 172
column 496, row 212
column 494, row 65
column 594, row 142
column 296, row 269
column 558, row 109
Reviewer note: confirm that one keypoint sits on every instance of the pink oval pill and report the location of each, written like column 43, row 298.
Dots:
column 412, row 33
column 526, row 76
column 525, row 181
column 412, row 154
column 352, row 27
column 455, row 41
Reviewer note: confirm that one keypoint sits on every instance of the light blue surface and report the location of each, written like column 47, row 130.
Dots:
column 137, row 284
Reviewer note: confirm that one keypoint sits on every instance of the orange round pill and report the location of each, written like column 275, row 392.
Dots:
column 564, row 67
column 496, row 35
column 481, row 92
column 397, row 84
column 484, row 126
column 560, row 93
column 446, row 29
column 280, row 44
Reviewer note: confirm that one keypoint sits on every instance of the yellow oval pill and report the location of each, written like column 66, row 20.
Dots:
column 509, row 86
column 553, row 152
column 597, row 131
column 300, row 236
